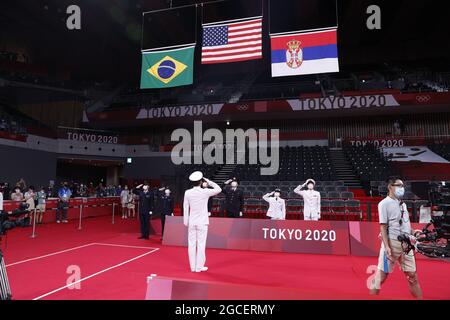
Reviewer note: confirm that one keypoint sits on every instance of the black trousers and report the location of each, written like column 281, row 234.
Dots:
column 61, row 213
column 144, row 219
column 232, row 213
column 163, row 222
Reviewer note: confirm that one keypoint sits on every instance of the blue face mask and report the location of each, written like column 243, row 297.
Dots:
column 399, row 192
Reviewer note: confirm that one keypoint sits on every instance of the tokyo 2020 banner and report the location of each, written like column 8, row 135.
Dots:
column 322, row 237
column 295, row 236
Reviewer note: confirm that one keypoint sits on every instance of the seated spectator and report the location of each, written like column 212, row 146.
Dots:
column 91, row 190
column 101, row 192
column 83, row 190
column 50, row 191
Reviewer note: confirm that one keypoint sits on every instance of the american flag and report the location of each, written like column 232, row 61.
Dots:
column 232, row 41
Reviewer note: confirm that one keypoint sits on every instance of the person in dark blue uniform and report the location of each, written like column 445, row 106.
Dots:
column 167, row 204
column 234, row 198
column 146, row 207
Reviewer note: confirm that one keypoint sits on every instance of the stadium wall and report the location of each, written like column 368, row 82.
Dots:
column 149, row 167
column 38, row 167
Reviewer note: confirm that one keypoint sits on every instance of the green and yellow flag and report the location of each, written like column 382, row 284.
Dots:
column 169, row 68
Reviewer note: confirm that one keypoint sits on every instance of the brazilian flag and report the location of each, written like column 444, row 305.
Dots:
column 169, row 68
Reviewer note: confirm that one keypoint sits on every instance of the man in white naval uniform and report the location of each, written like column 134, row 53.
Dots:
column 277, row 206
column 195, row 211
column 311, row 200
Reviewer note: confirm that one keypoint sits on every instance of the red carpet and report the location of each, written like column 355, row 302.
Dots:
column 118, row 272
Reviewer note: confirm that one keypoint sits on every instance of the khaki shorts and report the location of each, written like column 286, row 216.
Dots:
column 407, row 262
column 40, row 207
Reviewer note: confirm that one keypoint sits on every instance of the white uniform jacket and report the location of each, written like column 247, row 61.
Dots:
column 195, row 205
column 311, row 202
column 277, row 207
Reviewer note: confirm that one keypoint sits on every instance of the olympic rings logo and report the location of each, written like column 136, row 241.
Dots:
column 242, row 107
column 423, row 98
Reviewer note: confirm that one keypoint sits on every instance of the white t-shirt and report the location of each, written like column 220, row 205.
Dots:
column 124, row 196
column 390, row 213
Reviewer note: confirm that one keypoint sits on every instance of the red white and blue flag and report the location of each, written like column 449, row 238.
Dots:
column 232, row 41
column 307, row 52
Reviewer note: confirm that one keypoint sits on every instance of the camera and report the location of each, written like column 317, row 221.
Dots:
column 433, row 240
column 15, row 219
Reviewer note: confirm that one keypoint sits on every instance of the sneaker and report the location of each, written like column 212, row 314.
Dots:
column 202, row 269
column 57, row 221
column 65, row 221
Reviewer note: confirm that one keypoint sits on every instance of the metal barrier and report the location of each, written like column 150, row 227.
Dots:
column 82, row 204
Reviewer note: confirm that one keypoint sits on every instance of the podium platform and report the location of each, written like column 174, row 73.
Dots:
column 168, row 288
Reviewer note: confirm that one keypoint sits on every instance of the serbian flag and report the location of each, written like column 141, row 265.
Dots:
column 301, row 53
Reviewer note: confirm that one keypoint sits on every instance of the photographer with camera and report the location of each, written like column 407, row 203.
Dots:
column 394, row 223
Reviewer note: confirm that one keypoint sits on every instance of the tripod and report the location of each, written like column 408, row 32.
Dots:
column 5, row 290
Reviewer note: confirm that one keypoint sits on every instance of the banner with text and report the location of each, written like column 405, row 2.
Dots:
column 348, row 101
column 321, row 237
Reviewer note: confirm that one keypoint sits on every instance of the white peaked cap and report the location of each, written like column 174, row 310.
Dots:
column 196, row 176
column 310, row 180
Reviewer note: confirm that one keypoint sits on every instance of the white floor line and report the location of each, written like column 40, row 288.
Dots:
column 49, row 255
column 121, row 245
column 95, row 274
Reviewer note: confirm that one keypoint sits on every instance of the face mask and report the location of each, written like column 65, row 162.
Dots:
column 234, row 185
column 310, row 186
column 145, row 188
column 167, row 192
column 277, row 194
column 399, row 192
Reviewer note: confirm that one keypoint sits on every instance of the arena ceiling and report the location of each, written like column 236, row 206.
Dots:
column 107, row 48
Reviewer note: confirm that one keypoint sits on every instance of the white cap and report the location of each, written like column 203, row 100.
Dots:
column 310, row 180
column 196, row 176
